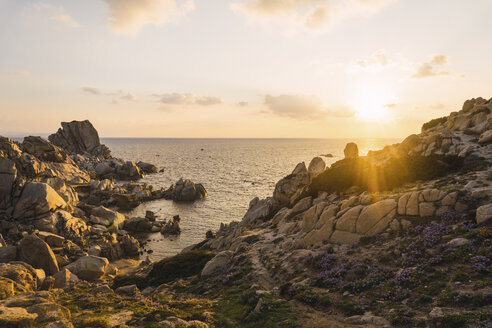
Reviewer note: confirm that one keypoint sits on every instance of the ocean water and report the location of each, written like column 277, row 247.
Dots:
column 232, row 170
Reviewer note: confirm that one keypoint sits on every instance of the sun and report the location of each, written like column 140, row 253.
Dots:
column 372, row 103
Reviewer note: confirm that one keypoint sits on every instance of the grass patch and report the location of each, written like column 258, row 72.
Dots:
column 182, row 265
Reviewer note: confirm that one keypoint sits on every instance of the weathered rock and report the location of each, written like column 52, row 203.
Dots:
column 351, row 150
column 348, row 220
column 172, row 227
column 311, row 216
column 484, row 214
column 413, row 204
column 188, row 191
column 457, row 242
column 64, row 279
column 344, row 237
column 37, row 198
column 375, row 218
column 8, row 174
column 426, row 209
column 89, row 267
column 287, row 187
column 8, row 253
column 79, row 137
column 218, row 262
column 45, row 150
column 37, row 253
column 16, row 317
column 147, row 167
column 258, row 210
column 368, row 319
column 22, row 273
column 109, row 218
column 103, row 169
column 51, row 238
column 485, row 137
column 316, row 166
column 130, row 290
column 319, row 236
column 138, row 225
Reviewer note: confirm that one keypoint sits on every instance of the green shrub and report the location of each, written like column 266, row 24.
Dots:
column 95, row 323
column 395, row 172
column 182, row 265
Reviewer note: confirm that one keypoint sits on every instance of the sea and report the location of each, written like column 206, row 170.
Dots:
column 233, row 171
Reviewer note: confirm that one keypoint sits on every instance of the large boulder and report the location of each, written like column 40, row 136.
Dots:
column 219, row 262
column 79, row 137
column 65, row 279
column 107, row 217
column 351, row 150
column 16, row 317
column 187, row 191
column 287, row 187
column 316, row 167
column 258, row 210
column 147, row 167
column 375, row 218
column 37, row 198
column 89, row 267
column 484, row 214
column 38, row 253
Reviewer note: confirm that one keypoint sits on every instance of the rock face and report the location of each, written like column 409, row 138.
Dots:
column 37, row 253
column 89, row 267
column 8, row 174
column 351, row 150
column 220, row 261
column 37, row 198
column 286, row 189
column 188, row 191
column 79, row 137
column 45, row 150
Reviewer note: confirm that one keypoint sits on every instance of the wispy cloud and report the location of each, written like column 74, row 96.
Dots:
column 21, row 74
column 304, row 107
column 92, row 90
column 378, row 61
column 308, row 14
column 129, row 16
column 54, row 13
column 436, row 66
column 187, row 99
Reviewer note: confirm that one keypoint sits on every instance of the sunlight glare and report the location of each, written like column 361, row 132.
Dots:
column 372, row 103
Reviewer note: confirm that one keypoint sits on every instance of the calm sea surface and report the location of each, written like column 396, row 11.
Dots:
column 232, row 170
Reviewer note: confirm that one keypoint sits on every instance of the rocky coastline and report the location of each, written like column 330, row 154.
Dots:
column 401, row 237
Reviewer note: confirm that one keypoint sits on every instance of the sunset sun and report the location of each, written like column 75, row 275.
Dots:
column 372, row 104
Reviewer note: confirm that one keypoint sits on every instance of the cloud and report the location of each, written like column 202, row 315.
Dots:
column 128, row 97
column 129, row 16
column 432, row 68
column 304, row 107
column 378, row 61
column 21, row 74
column 55, row 13
column 92, row 90
column 208, row 101
column 186, row 99
column 308, row 14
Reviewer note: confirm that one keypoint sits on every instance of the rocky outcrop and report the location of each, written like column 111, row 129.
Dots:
column 79, row 137
column 89, row 267
column 287, row 189
column 37, row 253
column 351, row 150
column 172, row 226
column 8, row 174
column 187, row 191
column 37, row 199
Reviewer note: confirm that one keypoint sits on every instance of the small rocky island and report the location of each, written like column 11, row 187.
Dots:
column 400, row 237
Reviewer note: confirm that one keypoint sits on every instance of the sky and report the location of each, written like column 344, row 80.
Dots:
column 240, row 68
